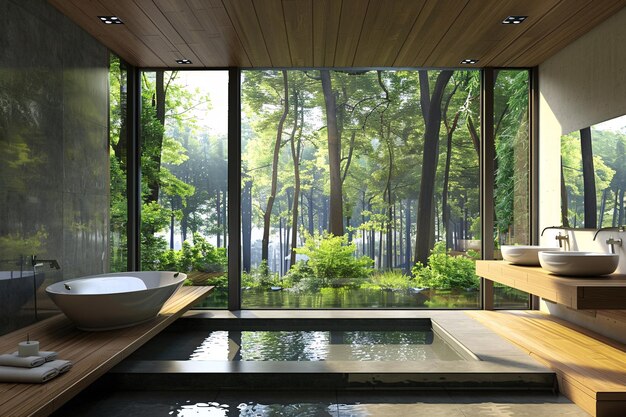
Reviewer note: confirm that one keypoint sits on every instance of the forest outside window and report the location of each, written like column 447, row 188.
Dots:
column 360, row 189
column 184, row 176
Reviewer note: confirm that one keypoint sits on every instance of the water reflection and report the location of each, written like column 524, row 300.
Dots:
column 254, row 409
column 332, row 345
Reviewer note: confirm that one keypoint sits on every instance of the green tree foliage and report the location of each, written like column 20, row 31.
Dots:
column 445, row 271
column 332, row 259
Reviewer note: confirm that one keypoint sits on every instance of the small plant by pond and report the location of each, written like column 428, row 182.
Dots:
column 332, row 277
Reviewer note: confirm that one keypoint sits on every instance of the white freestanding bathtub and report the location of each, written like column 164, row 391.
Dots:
column 116, row 300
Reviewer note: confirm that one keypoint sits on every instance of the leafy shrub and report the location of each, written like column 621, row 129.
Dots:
column 302, row 277
column 201, row 256
column 389, row 281
column 260, row 277
column 332, row 260
column 445, row 271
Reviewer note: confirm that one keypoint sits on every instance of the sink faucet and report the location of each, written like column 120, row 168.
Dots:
column 611, row 241
column 553, row 227
column 39, row 262
column 616, row 229
column 563, row 240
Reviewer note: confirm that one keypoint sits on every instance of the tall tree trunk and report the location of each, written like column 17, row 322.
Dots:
column 450, row 128
column 589, row 180
column 281, row 255
column 295, row 155
column 120, row 147
column 473, row 134
column 335, row 226
column 172, row 222
column 363, row 232
column 394, row 233
column 407, row 238
column 444, row 194
column 310, row 211
column 161, row 91
column 267, row 216
column 246, row 224
column 615, row 209
column 621, row 207
column 224, row 218
column 431, row 110
column 389, row 254
column 605, row 194
column 380, row 247
column 218, row 203
column 324, row 209
column 287, row 248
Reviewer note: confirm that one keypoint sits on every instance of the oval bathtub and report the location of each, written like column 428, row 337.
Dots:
column 116, row 300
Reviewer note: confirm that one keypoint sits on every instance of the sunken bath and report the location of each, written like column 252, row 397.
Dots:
column 274, row 350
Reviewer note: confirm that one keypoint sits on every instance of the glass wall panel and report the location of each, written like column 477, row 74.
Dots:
column 593, row 177
column 360, row 189
column 512, row 168
column 184, row 128
column 118, row 88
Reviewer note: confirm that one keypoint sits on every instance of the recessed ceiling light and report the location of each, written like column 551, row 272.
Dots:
column 183, row 61
column 469, row 61
column 514, row 20
column 111, row 20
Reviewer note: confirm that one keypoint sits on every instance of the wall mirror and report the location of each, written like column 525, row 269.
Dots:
column 593, row 175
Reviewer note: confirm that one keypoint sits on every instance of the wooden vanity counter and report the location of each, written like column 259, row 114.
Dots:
column 605, row 293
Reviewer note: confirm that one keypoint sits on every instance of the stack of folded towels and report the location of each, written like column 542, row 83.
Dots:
column 31, row 369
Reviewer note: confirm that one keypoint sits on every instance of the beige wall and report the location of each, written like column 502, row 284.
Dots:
column 582, row 85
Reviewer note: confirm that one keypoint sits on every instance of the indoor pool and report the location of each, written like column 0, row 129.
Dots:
column 339, row 340
column 332, row 345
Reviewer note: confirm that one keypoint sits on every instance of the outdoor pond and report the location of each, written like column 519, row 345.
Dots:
column 364, row 298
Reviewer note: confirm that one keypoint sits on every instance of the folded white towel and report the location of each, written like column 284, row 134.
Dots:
column 46, row 355
column 27, row 375
column 21, row 361
column 60, row 365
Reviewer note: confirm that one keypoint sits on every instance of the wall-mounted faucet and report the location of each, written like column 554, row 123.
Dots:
column 563, row 240
column 613, row 229
column 611, row 241
column 40, row 262
column 554, row 227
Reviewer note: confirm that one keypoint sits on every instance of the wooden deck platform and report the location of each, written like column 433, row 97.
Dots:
column 591, row 369
column 93, row 354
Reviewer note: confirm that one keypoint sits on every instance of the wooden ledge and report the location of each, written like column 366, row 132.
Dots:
column 93, row 354
column 590, row 368
column 606, row 293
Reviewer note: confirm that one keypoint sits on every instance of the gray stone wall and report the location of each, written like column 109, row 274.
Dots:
column 54, row 162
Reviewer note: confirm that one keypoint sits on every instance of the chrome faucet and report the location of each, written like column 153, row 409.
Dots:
column 39, row 262
column 603, row 229
column 554, row 227
column 611, row 241
column 563, row 240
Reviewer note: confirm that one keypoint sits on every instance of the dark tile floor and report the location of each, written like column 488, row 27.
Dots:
column 319, row 403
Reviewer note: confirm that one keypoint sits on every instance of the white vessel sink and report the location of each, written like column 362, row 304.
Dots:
column 523, row 255
column 579, row 264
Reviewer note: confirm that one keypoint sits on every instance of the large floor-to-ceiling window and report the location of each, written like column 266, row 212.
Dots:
column 118, row 159
column 511, row 129
column 358, row 188
column 183, row 136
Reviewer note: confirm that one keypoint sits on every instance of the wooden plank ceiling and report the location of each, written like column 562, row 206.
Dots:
column 337, row 33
